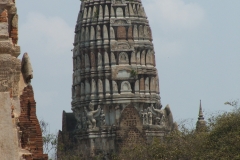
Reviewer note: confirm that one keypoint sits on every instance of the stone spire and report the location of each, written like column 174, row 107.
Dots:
column 200, row 115
column 201, row 123
column 115, row 81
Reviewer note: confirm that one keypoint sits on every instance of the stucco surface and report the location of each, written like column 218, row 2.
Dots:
column 8, row 139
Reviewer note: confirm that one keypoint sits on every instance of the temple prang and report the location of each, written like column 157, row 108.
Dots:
column 20, row 136
column 115, row 93
column 201, row 125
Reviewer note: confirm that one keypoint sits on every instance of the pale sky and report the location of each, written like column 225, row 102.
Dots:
column 197, row 47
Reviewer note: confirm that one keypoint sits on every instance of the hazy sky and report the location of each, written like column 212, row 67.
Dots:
column 197, row 46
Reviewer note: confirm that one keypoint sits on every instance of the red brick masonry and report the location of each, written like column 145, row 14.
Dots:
column 31, row 132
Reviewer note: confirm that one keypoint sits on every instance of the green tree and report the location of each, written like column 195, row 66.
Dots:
column 220, row 141
column 49, row 140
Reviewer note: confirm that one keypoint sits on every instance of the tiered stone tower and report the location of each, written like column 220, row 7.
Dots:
column 115, row 91
column 20, row 135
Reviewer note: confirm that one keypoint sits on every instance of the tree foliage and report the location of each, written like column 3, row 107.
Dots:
column 220, row 141
column 49, row 139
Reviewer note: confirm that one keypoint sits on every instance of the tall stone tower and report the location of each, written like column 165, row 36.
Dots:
column 115, row 91
column 20, row 135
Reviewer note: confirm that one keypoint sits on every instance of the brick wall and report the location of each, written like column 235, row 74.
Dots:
column 31, row 132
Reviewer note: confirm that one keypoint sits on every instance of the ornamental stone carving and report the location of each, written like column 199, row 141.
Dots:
column 123, row 58
column 3, row 15
column 102, row 119
column 125, row 87
column 26, row 68
column 91, row 115
column 4, row 30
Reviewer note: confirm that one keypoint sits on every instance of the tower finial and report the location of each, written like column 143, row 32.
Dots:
column 200, row 115
column 201, row 123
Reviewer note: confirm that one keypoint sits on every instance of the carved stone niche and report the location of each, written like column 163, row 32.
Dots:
column 3, row 15
column 123, row 58
column 4, row 30
column 126, row 87
column 119, row 12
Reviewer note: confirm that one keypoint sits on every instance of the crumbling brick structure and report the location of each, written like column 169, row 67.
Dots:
column 20, row 136
column 31, row 138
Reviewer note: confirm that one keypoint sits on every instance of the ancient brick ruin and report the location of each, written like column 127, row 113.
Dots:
column 115, row 91
column 20, row 136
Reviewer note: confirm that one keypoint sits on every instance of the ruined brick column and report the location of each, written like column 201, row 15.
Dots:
column 20, row 135
column 115, row 91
